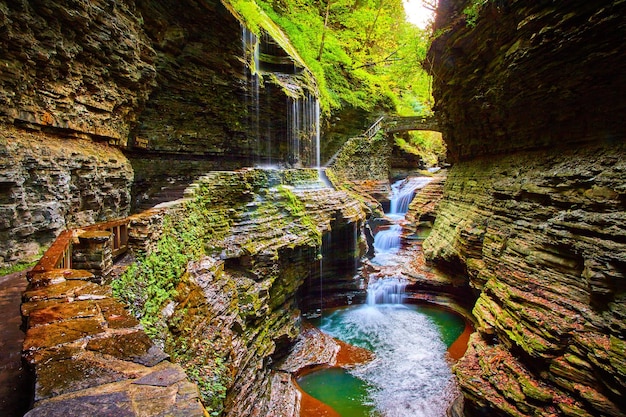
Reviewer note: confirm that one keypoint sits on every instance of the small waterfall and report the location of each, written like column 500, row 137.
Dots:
column 402, row 193
column 388, row 290
column 388, row 240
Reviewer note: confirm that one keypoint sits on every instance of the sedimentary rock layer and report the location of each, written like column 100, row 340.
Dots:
column 541, row 236
column 530, row 96
column 48, row 184
column 512, row 75
column 235, row 311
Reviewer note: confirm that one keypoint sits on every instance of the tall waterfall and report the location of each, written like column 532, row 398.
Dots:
column 301, row 130
column 304, row 134
column 250, row 44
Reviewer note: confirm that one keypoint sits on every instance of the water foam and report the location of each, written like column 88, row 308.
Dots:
column 410, row 376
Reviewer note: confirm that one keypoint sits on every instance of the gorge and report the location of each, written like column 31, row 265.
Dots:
column 185, row 139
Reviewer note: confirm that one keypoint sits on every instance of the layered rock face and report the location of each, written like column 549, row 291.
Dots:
column 533, row 208
column 168, row 79
column 48, row 184
column 236, row 311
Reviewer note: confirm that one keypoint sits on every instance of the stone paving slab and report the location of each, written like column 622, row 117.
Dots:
column 91, row 358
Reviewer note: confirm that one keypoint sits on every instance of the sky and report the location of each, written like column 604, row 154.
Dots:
column 416, row 13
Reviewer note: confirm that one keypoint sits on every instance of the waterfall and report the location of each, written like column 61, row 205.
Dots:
column 318, row 149
column 250, row 44
column 403, row 191
column 388, row 240
column 388, row 290
column 304, row 130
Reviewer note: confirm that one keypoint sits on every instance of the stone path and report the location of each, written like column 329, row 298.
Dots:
column 15, row 387
column 92, row 358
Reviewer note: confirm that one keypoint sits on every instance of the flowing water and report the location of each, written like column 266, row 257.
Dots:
column 301, row 112
column 410, row 375
column 388, row 241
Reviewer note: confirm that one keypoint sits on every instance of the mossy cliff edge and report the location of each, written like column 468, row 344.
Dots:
column 530, row 98
column 219, row 287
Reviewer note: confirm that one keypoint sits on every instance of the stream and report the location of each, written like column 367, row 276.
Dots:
column 410, row 375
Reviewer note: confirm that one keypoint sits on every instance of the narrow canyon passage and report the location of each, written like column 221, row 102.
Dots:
column 410, row 374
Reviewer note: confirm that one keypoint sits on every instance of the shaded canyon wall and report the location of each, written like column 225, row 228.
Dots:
column 166, row 82
column 530, row 98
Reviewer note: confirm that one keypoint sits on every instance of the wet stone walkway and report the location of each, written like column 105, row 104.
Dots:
column 89, row 356
column 15, row 387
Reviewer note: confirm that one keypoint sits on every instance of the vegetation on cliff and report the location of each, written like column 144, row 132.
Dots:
column 363, row 54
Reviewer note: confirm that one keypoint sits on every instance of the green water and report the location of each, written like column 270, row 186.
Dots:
column 410, row 376
column 346, row 394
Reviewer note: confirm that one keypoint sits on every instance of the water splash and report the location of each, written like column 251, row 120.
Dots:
column 388, row 290
column 410, row 376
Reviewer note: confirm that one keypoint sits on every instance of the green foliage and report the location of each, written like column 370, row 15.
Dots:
column 204, row 366
column 367, row 55
column 150, row 282
column 428, row 145
column 472, row 11
column 18, row 267
column 296, row 208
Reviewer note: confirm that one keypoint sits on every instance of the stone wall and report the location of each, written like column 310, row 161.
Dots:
column 48, row 184
column 533, row 211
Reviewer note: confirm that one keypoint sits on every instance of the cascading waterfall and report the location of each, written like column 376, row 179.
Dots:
column 387, row 242
column 402, row 193
column 388, row 290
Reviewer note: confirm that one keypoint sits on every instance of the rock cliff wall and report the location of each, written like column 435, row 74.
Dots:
column 167, row 81
column 533, row 209
column 48, row 184
column 235, row 310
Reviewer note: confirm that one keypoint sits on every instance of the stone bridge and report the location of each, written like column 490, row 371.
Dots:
column 395, row 124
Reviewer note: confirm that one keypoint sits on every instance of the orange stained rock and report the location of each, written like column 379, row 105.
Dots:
column 312, row 407
column 459, row 346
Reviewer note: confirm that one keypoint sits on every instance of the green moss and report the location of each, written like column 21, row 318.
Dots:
column 472, row 11
column 297, row 209
column 18, row 267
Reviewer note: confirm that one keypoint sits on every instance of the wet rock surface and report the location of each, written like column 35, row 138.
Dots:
column 541, row 238
column 528, row 96
column 91, row 358
column 241, row 304
column 15, row 385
